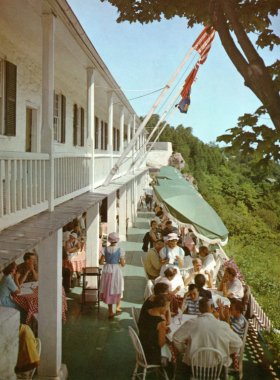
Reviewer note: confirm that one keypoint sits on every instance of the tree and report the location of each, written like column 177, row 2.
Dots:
column 241, row 17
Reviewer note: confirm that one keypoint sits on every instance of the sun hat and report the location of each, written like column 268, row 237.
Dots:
column 172, row 236
column 74, row 235
column 113, row 237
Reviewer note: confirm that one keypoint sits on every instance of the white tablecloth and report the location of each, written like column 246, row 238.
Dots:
column 174, row 327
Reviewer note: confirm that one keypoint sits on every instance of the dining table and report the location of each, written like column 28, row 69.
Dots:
column 28, row 300
column 78, row 262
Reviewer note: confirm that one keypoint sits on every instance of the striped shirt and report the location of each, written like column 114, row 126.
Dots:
column 192, row 306
column 237, row 324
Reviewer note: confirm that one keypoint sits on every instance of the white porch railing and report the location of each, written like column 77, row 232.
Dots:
column 71, row 175
column 22, row 186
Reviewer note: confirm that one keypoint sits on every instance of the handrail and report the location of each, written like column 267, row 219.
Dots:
column 23, row 156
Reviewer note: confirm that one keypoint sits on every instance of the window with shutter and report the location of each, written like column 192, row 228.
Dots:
column 106, row 136
column 118, row 139
column 56, row 117
column 10, row 99
column 82, row 127
column 102, row 135
column 63, row 119
column 96, row 126
column 75, row 125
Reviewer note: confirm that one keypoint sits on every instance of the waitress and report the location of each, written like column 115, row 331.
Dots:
column 112, row 284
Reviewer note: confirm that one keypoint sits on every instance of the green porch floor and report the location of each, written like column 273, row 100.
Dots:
column 94, row 347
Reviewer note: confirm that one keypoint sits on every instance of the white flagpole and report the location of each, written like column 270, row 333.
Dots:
column 151, row 147
column 144, row 122
column 153, row 131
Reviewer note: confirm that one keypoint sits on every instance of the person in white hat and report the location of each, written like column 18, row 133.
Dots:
column 172, row 256
column 112, row 284
column 72, row 245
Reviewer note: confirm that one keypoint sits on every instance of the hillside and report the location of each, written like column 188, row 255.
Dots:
column 246, row 202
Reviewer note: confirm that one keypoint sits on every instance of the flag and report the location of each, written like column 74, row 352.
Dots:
column 185, row 103
column 189, row 81
column 203, row 43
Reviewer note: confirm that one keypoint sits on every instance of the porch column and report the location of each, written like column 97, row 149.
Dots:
column 110, row 127
column 50, row 304
column 121, row 127
column 129, row 203
column 133, row 133
column 112, row 213
column 92, row 257
column 122, row 213
column 48, row 27
column 90, row 121
column 135, row 200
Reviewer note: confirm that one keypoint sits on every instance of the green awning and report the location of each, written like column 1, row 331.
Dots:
column 187, row 207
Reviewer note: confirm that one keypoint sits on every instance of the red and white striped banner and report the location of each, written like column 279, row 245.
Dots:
column 203, row 44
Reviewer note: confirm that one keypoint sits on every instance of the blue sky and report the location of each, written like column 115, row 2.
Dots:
column 144, row 57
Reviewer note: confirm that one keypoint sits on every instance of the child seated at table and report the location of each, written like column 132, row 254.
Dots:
column 191, row 300
column 169, row 275
column 233, row 316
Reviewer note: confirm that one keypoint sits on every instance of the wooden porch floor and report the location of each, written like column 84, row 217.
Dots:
column 95, row 347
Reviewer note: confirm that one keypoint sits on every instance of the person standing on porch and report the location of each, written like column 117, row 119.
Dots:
column 149, row 197
column 112, row 284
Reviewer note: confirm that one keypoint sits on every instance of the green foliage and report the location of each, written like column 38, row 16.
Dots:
column 248, row 205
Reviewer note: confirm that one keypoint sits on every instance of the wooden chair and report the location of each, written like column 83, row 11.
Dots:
column 91, row 291
column 207, row 364
column 240, row 354
column 141, row 359
column 135, row 318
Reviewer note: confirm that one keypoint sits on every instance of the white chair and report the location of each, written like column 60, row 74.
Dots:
column 143, row 263
column 240, row 353
column 141, row 359
column 39, row 347
column 207, row 364
column 149, row 290
column 135, row 318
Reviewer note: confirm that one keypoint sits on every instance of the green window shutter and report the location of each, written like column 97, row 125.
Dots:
column 96, row 132
column 102, row 135
column 118, row 139
column 75, row 125
column 11, row 95
column 63, row 118
column 82, row 127
column 106, row 136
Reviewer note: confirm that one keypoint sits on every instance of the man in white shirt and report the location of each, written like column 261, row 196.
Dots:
column 149, row 197
column 197, row 269
column 206, row 331
column 207, row 258
column 230, row 285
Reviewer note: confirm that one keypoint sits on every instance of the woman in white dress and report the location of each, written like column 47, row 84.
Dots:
column 112, row 284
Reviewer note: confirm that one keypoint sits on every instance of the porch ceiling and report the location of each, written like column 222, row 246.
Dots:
column 15, row 241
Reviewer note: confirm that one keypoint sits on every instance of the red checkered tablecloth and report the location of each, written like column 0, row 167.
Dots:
column 79, row 262
column 29, row 302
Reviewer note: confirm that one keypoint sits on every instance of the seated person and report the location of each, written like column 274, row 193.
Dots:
column 197, row 269
column 189, row 242
column 28, row 357
column 185, row 249
column 9, row 286
column 169, row 276
column 76, row 229
column 169, row 229
column 153, row 233
column 153, row 329
column 29, row 269
column 233, row 316
column 207, row 258
column 206, row 331
column 153, row 262
column 230, row 285
column 82, row 223
column 160, row 218
column 159, row 288
column 72, row 245
column 200, row 282
column 190, row 301
column 66, row 232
